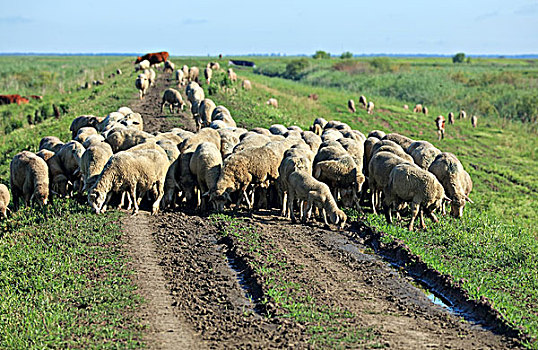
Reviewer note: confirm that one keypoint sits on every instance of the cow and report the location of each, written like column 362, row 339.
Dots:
column 9, row 99
column 154, row 58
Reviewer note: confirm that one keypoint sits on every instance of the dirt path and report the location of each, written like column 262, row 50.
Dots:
column 185, row 271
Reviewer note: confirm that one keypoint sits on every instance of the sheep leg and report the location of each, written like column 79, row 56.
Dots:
column 160, row 193
column 324, row 214
column 306, row 208
column 388, row 213
column 422, row 224
column 415, row 207
column 162, row 106
column 135, row 202
column 373, row 191
column 432, row 216
column 291, row 199
column 284, row 211
column 245, row 195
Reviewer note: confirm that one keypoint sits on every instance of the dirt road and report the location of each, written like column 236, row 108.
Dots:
column 201, row 292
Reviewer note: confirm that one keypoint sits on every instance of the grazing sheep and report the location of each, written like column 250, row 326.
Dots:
column 180, row 77
column 278, row 129
column 403, row 141
column 351, row 106
column 173, row 98
column 406, row 107
column 463, row 115
column 204, row 135
column 142, row 84
column 93, row 140
column 4, row 200
column 331, row 135
column 370, row 107
column 170, row 148
column 377, row 133
column 169, row 67
column 195, row 95
column 408, row 183
column 133, row 121
column 51, row 143
column 474, row 120
column 362, row 101
column 246, row 85
column 295, row 159
column 214, row 65
column 368, row 145
column 205, row 166
column 143, row 65
column 64, row 168
column 92, row 162
column 29, row 179
column 272, row 102
column 205, row 110
column 84, row 133
column 451, row 118
column 440, row 124
column 338, row 125
column 194, row 74
column 228, row 140
column 150, row 75
column 251, row 140
column 312, row 140
column 303, row 186
column 418, row 108
column 222, row 113
column 122, row 139
column 118, row 71
column 82, row 121
column 392, row 147
column 379, row 170
column 125, row 110
column 208, row 73
column 232, row 75
column 45, row 154
column 423, row 153
column 455, row 180
column 255, row 166
column 355, row 149
column 425, row 110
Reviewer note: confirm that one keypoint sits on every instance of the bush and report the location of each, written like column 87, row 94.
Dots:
column 382, row 64
column 346, row 55
column 295, row 68
column 321, row 54
column 458, row 58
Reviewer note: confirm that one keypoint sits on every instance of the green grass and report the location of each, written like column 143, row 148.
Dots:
column 327, row 326
column 64, row 282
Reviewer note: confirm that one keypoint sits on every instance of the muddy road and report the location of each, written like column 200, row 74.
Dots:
column 257, row 281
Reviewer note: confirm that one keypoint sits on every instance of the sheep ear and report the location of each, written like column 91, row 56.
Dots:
column 469, row 199
column 447, row 199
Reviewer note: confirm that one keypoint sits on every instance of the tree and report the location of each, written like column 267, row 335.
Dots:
column 295, row 68
column 346, row 54
column 321, row 54
column 458, row 58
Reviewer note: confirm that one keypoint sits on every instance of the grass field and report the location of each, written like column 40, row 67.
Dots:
column 493, row 250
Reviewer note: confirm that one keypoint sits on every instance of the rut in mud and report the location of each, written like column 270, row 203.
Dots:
column 214, row 298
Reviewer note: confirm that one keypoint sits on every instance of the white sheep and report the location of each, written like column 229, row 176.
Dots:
column 208, row 73
column 92, row 162
column 474, row 121
column 173, row 98
column 403, row 141
column 423, row 153
column 125, row 110
column 273, row 102
column 362, row 101
column 51, row 143
column 142, row 84
column 246, row 85
column 222, row 113
column 232, row 75
column 122, row 139
column 169, row 66
column 150, row 75
column 205, row 165
column 370, row 107
column 29, row 179
column 351, row 106
column 4, row 200
column 194, row 73
column 180, row 77
column 205, row 110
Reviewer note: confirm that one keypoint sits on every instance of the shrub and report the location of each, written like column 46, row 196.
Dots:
column 346, row 55
column 295, row 68
column 458, row 58
column 382, row 64
column 321, row 54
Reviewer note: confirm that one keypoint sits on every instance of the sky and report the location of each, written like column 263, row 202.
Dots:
column 231, row 27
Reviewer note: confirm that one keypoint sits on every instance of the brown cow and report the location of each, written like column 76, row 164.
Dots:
column 154, row 58
column 9, row 99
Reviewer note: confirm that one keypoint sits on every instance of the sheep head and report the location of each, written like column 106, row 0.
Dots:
column 96, row 200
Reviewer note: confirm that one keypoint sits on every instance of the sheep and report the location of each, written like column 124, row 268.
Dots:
column 272, row 102
column 278, row 129
column 122, row 139
column 214, row 65
column 208, row 73
column 423, row 153
column 84, row 133
column 142, row 84
column 354, row 135
column 425, row 110
column 321, row 122
column 370, row 107
column 331, row 134
column 29, row 179
column 418, row 108
column 343, row 176
column 222, row 113
column 205, row 110
column 133, row 121
column 184, row 134
column 93, row 140
column 45, row 154
column 338, row 125
column 455, row 180
column 180, row 77
column 355, row 149
column 173, row 98
column 351, row 106
column 379, row 170
column 463, row 115
column 205, row 165
column 150, row 75
column 232, row 75
column 403, row 141
column 64, row 168
column 315, row 193
column 131, row 171
column 108, row 122
column 440, row 124
column 194, row 74
column 362, row 101
column 143, row 65
column 92, row 162
column 118, row 71
column 262, row 131
column 170, row 148
column 451, row 118
column 168, row 66
column 82, row 121
column 51, row 143
column 408, row 183
column 4, row 200
column 170, row 136
column 125, row 110
column 329, row 152
column 312, row 140
column 392, row 147
column 246, row 85
column 368, row 145
column 228, row 140
column 377, row 133
column 254, row 166
column 406, row 107
column 251, row 140
column 195, row 95
column 295, row 159
column 474, row 120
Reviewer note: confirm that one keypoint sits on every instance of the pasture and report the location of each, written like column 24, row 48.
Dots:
column 492, row 252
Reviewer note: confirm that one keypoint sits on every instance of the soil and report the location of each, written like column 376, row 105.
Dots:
column 194, row 298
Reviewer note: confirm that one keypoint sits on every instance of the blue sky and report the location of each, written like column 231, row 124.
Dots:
column 229, row 27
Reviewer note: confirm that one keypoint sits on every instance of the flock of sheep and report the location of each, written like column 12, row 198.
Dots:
column 319, row 170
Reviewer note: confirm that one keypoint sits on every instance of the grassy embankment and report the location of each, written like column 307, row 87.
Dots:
column 493, row 250
column 64, row 278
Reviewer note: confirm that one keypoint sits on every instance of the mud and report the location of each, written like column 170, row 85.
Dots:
column 206, row 280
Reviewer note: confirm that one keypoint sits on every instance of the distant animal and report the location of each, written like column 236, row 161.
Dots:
column 36, row 97
column 370, row 107
column 474, row 120
column 418, row 108
column 9, row 99
column 313, row 97
column 406, row 107
column 246, row 84
column 463, row 115
column 351, row 106
column 154, row 58
column 272, row 102
column 362, row 101
column 440, row 124
column 451, row 118
column 425, row 110
column 142, row 84
column 232, row 75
